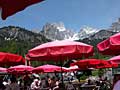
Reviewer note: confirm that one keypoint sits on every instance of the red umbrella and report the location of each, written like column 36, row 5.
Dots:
column 3, row 70
column 110, row 46
column 60, row 50
column 48, row 68
column 115, row 59
column 115, row 65
column 21, row 69
column 10, row 7
column 10, row 59
column 92, row 63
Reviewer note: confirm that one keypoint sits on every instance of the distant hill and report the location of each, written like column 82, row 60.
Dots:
column 19, row 40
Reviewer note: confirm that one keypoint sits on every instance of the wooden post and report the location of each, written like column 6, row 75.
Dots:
column 25, row 61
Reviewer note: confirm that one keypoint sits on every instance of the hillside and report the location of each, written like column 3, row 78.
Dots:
column 19, row 40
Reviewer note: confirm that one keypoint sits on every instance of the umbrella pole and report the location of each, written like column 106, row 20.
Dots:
column 61, row 74
column 61, row 71
column 26, row 62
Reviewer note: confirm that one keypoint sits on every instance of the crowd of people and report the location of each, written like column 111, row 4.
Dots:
column 28, row 82
column 50, row 82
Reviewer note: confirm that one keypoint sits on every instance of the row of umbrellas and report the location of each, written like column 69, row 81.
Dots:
column 79, row 65
column 63, row 50
column 23, row 69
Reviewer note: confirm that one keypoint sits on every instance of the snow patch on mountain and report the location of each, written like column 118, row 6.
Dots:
column 75, row 37
column 61, row 29
column 86, row 31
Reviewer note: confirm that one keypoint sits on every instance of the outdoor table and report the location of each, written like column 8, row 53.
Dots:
column 88, row 87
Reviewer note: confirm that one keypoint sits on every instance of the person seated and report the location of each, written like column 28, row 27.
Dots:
column 70, row 86
column 27, row 81
column 56, row 84
column 44, row 84
column 90, row 82
column 13, row 85
column 35, row 85
column 52, row 82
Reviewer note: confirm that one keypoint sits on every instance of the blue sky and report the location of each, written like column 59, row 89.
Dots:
column 73, row 13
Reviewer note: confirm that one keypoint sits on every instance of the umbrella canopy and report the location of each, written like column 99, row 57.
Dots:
column 3, row 70
column 71, row 68
column 110, row 46
column 10, row 59
column 115, row 59
column 92, row 63
column 114, row 64
column 10, row 7
column 48, row 68
column 60, row 50
column 21, row 69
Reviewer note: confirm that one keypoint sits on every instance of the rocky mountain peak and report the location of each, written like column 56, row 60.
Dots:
column 56, row 31
column 115, row 27
column 55, row 26
column 86, row 31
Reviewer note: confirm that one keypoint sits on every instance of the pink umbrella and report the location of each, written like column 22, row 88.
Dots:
column 3, row 70
column 10, row 7
column 21, row 69
column 110, row 46
column 60, row 50
column 10, row 59
column 48, row 68
column 92, row 63
column 115, row 59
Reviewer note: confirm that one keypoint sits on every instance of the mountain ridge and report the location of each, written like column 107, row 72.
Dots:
column 19, row 40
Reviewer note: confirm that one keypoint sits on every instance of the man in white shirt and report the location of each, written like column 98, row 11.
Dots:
column 35, row 85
